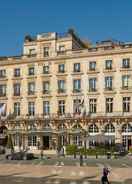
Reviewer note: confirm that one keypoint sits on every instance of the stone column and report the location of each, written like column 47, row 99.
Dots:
column 118, row 135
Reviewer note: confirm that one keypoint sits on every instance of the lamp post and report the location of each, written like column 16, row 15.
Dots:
column 85, row 144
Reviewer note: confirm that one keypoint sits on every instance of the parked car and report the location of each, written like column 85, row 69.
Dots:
column 20, row 156
column 121, row 150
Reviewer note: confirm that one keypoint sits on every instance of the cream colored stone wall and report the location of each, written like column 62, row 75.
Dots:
column 53, row 62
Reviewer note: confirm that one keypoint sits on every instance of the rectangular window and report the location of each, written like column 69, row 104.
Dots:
column 61, row 49
column 61, row 86
column 92, row 105
column 76, row 67
column 16, row 88
column 31, row 108
column 31, row 71
column 17, row 108
column 76, row 85
column 92, row 66
column 125, row 81
column 17, row 72
column 92, row 84
column 61, row 107
column 109, row 105
column 2, row 90
column 108, row 83
column 45, row 69
column 61, row 68
column 32, row 140
column 46, row 86
column 126, row 63
column 2, row 73
column 46, row 107
column 108, row 64
column 31, row 88
column 3, row 109
column 126, row 104
column 46, row 51
column 76, row 106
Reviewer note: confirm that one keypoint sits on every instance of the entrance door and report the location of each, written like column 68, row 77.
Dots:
column 127, row 141
column 46, row 142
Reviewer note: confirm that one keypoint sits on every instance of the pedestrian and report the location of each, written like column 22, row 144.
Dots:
column 81, row 160
column 104, row 178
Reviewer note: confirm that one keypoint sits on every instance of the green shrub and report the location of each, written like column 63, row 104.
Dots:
column 71, row 149
column 130, row 149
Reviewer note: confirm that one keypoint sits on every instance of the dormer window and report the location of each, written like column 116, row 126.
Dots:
column 61, row 48
column 46, row 51
column 32, row 52
column 126, row 63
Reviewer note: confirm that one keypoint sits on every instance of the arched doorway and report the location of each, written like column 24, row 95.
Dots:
column 93, row 135
column 3, row 136
column 127, row 135
column 109, row 133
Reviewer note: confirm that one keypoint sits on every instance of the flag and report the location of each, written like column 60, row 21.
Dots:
column 2, row 109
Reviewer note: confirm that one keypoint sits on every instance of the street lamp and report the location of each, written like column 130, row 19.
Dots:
column 85, row 143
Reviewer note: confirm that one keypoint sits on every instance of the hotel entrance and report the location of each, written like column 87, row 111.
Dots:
column 46, row 142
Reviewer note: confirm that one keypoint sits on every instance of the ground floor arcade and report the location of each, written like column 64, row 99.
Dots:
column 54, row 133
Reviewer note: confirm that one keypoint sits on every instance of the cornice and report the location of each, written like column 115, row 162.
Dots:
column 74, row 55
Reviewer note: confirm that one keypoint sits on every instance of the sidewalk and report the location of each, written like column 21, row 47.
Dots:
column 64, row 172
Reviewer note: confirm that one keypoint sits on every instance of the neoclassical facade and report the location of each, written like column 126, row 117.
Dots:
column 63, row 90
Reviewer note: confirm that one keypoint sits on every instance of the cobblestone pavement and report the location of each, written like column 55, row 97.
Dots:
column 38, row 174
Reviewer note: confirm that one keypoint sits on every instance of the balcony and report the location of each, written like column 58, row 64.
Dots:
column 31, row 94
column 77, row 72
column 46, row 74
column 109, row 90
column 125, row 69
column 90, row 71
column 3, row 96
column 61, row 91
column 77, row 92
column 3, row 78
column 126, row 89
column 93, row 91
column 46, row 93
column 61, row 53
column 108, row 70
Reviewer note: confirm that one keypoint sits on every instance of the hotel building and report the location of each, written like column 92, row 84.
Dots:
column 63, row 90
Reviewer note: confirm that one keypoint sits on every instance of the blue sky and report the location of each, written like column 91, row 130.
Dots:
column 93, row 20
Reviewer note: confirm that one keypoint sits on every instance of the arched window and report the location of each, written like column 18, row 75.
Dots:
column 126, row 128
column 77, row 126
column 61, row 126
column 93, row 128
column 109, row 128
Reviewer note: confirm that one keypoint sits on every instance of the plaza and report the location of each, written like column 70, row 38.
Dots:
column 49, row 172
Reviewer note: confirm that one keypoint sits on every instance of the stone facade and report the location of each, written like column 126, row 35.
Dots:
column 63, row 90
